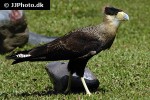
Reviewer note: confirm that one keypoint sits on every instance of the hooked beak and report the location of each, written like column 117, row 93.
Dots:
column 126, row 17
column 122, row 16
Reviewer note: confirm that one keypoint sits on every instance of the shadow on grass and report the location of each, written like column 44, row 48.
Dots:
column 52, row 92
column 37, row 93
column 48, row 91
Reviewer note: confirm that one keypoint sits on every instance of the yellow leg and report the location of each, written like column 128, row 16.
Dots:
column 69, row 83
column 85, row 86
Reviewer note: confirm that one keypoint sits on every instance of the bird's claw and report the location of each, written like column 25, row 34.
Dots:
column 89, row 94
column 66, row 91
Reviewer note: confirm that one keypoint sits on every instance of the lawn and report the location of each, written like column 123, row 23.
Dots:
column 123, row 71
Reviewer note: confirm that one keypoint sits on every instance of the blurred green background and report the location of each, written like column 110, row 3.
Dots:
column 123, row 71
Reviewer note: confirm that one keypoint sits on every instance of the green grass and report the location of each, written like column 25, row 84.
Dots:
column 123, row 71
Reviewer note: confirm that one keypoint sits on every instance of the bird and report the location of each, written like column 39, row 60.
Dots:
column 78, row 46
column 13, row 30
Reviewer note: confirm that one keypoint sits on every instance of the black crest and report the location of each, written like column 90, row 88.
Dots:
column 111, row 10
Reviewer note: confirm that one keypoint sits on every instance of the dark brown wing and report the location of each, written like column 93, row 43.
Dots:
column 73, row 45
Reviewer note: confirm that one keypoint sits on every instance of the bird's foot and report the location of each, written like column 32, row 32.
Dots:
column 85, row 86
column 89, row 93
column 67, row 91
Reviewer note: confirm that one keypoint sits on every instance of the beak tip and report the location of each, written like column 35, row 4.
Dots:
column 126, row 17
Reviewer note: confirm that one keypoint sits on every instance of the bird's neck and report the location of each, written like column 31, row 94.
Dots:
column 111, row 21
column 110, row 26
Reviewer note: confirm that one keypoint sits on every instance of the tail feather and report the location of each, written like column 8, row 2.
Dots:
column 18, row 61
column 19, row 56
column 25, row 56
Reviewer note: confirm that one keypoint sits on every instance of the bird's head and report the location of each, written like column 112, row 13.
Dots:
column 115, row 15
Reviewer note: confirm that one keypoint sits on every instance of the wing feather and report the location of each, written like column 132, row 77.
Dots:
column 70, row 46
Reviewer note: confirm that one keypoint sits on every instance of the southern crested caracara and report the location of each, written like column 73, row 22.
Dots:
column 78, row 46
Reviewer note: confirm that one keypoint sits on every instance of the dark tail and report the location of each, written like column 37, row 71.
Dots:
column 19, row 56
column 25, row 56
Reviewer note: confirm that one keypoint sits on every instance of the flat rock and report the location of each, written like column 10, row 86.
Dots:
column 36, row 39
column 59, row 74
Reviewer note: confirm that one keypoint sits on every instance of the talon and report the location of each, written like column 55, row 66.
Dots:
column 66, row 91
column 89, row 94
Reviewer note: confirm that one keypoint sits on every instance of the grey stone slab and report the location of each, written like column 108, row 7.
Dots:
column 59, row 74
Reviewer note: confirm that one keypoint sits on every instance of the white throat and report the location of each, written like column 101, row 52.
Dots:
column 113, row 20
column 116, row 22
